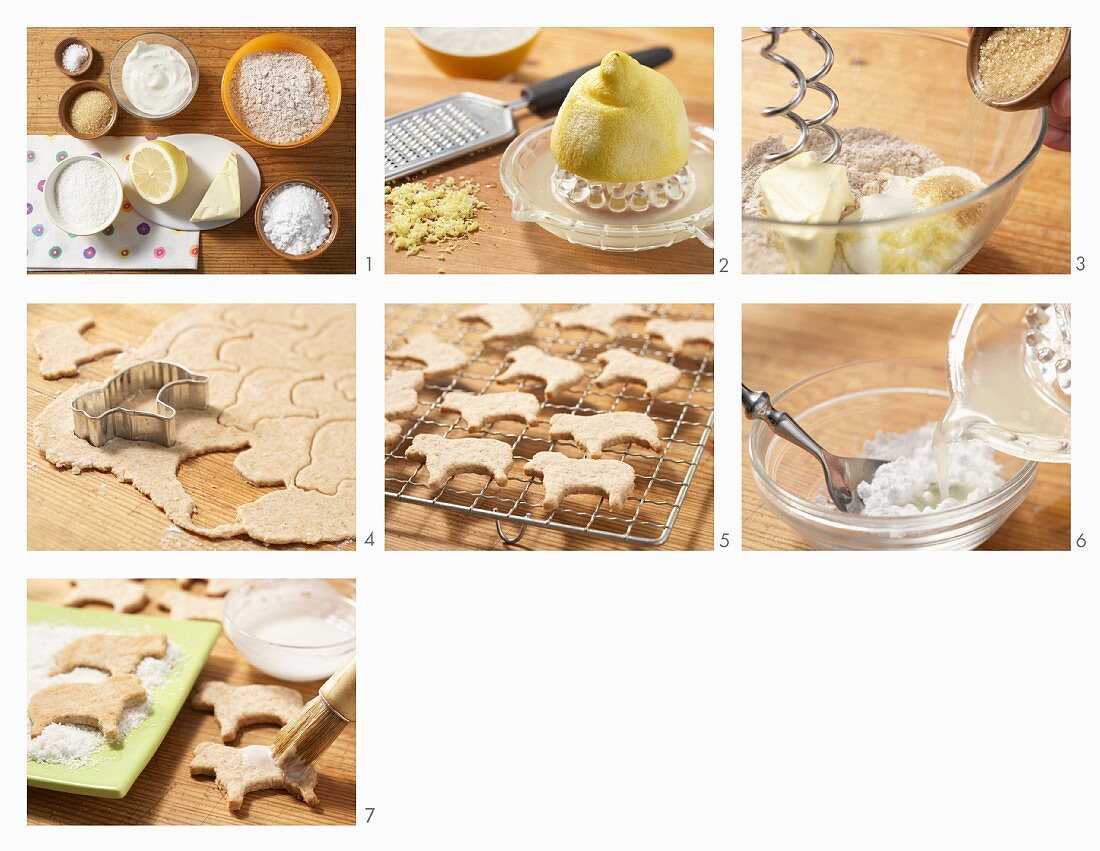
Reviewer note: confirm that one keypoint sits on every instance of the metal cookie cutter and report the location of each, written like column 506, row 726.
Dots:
column 98, row 415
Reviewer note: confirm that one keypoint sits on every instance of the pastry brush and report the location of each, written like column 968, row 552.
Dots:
column 320, row 723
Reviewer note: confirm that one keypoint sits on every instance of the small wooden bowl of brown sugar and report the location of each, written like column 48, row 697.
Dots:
column 87, row 110
column 1015, row 68
column 73, row 56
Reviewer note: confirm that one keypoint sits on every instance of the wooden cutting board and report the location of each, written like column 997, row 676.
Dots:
column 502, row 244
column 165, row 793
column 781, row 344
column 1034, row 236
column 95, row 511
column 329, row 160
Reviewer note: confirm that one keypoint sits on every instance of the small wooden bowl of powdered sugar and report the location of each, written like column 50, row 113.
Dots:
column 297, row 219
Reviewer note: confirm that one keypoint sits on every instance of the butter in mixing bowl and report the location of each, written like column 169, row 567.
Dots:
column 803, row 190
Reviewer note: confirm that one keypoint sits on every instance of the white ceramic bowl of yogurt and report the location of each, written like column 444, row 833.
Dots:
column 297, row 630
column 83, row 195
column 154, row 76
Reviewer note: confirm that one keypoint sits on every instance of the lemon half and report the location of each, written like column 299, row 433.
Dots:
column 621, row 122
column 158, row 171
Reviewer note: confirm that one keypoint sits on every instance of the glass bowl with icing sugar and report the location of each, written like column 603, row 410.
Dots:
column 843, row 408
column 979, row 155
column 297, row 630
column 154, row 76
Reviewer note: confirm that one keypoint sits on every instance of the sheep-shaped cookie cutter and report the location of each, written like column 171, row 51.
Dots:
column 98, row 415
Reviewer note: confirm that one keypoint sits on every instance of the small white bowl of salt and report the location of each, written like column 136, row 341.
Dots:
column 83, row 195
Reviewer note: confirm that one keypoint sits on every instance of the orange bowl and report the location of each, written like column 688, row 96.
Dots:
column 482, row 66
column 295, row 44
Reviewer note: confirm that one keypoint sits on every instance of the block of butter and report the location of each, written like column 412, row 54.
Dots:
column 223, row 199
column 803, row 190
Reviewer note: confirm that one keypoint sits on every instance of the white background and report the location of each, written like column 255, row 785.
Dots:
column 656, row 700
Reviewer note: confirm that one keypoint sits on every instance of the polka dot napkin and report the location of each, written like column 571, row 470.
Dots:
column 130, row 242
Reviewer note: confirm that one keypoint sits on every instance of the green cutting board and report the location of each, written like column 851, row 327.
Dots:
column 112, row 769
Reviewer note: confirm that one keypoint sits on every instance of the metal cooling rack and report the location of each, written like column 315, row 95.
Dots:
column 684, row 416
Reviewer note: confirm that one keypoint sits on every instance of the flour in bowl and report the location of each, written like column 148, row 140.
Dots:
column 279, row 95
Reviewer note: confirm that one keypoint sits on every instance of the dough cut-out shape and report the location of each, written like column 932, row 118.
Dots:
column 440, row 359
column 679, row 333
column 276, row 517
column 621, row 365
column 242, row 315
column 214, row 587
column 594, row 433
column 62, row 348
column 562, row 476
column 400, row 392
column 393, row 433
column 332, row 458
column 599, row 317
column 280, row 448
column 266, row 401
column 235, row 707
column 401, row 400
column 333, row 342
column 115, row 654
column 322, row 395
column 505, row 321
column 532, row 364
column 239, row 771
column 123, row 595
column 183, row 606
column 265, row 394
column 482, row 410
column 98, row 705
column 200, row 350
column 446, row 457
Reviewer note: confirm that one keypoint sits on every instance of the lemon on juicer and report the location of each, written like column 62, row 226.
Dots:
column 621, row 122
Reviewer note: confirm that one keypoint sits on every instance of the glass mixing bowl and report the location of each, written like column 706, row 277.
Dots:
column 877, row 77
column 119, row 62
column 842, row 408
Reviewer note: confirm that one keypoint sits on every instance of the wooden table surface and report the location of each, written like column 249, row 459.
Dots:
column 781, row 344
column 329, row 160
column 419, row 527
column 1033, row 237
column 95, row 511
column 165, row 792
column 504, row 245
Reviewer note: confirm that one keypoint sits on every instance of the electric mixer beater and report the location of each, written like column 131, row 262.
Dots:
column 802, row 83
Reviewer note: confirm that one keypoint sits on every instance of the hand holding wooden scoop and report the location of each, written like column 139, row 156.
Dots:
column 1015, row 68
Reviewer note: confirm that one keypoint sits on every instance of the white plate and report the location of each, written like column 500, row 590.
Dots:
column 205, row 156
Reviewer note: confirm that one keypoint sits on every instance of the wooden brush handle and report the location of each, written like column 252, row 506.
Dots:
column 339, row 690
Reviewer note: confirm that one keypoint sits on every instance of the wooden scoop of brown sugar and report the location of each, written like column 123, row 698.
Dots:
column 1030, row 95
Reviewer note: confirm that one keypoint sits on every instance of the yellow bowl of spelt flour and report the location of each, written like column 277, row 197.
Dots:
column 272, row 90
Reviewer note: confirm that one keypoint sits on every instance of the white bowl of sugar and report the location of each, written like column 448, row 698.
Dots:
column 83, row 195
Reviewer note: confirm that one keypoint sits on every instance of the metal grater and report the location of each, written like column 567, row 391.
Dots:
column 445, row 130
column 462, row 124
